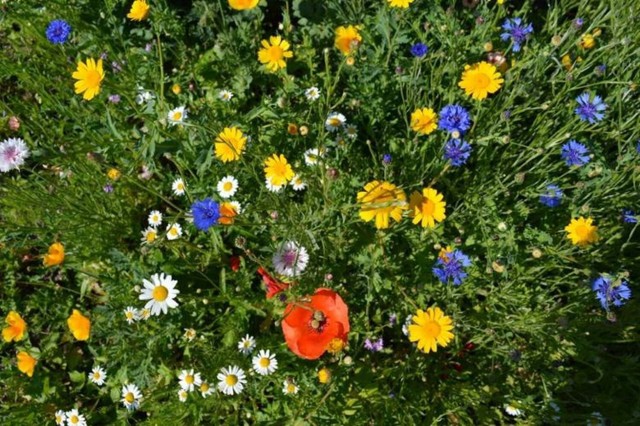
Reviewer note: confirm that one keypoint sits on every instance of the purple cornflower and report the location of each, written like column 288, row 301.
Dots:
column 628, row 216
column 374, row 346
column 114, row 99
column 116, row 67
column 419, row 50
column 58, row 31
column 553, row 196
column 506, row 115
column 517, row 31
column 451, row 267
column 608, row 292
column 575, row 154
column 590, row 110
column 205, row 213
column 457, row 151
column 148, row 47
column 578, row 23
column 454, row 118
column 600, row 70
column 393, row 318
column 386, row 159
column 108, row 188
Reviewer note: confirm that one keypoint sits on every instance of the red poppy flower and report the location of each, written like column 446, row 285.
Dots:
column 273, row 287
column 309, row 327
column 234, row 263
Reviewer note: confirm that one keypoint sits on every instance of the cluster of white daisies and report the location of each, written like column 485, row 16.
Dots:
column 149, row 235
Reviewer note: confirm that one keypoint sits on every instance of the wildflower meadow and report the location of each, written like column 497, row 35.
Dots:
column 367, row 212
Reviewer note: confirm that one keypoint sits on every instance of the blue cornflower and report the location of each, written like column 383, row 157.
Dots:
column 578, row 23
column 454, row 118
column 575, row 154
column 419, row 50
column 205, row 213
column 457, row 151
column 553, row 196
column 517, row 31
column 628, row 216
column 374, row 345
column 451, row 266
column 638, row 147
column 609, row 292
column 386, row 159
column 600, row 70
column 590, row 110
column 58, row 31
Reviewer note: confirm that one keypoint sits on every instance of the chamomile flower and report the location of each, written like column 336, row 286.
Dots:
column 177, row 115
column 264, row 363
column 312, row 93
column 246, row 345
column 189, row 334
column 335, row 121
column 227, row 186
column 289, row 387
column 512, row 411
column 225, row 95
column 178, row 187
column 149, row 235
column 206, row 389
column 297, row 183
column 155, row 218
column 131, row 397
column 144, row 314
column 60, row 417
column 351, row 131
column 74, row 418
column 189, row 380
column 182, row 395
column 174, row 231
column 131, row 314
column 160, row 293
column 291, row 259
column 273, row 188
column 312, row 156
column 98, row 375
column 231, row 380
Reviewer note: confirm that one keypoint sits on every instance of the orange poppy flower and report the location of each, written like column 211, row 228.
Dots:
column 273, row 286
column 310, row 327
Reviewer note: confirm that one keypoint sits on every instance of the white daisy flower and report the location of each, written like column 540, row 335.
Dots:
column 351, row 131
column 206, row 389
column 61, row 417
column 289, row 387
column 74, row 418
column 264, row 363
column 144, row 314
column 227, row 186
column 312, row 156
column 131, row 396
column 189, row 334
column 512, row 411
column 160, row 293
column 407, row 322
column 149, row 235
column 155, row 218
column 98, row 375
column 178, row 187
column 236, row 206
column 297, row 183
column 182, row 395
column 247, row 344
column 13, row 151
column 131, row 314
column 273, row 188
column 174, row 231
column 231, row 380
column 335, row 121
column 312, row 93
column 225, row 95
column 143, row 96
column 291, row 259
column 177, row 115
column 189, row 380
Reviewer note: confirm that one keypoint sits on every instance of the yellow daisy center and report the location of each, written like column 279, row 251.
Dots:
column 428, row 207
column 180, row 186
column 264, row 362
column 189, row 379
column 173, row 232
column 291, row 388
column 582, row 230
column 228, row 186
column 96, row 376
column 231, row 380
column 151, row 236
column 275, row 53
column 335, row 122
column 92, row 79
column 129, row 397
column 432, row 329
column 160, row 293
column 482, row 80
column 74, row 419
column 204, row 387
column 177, row 116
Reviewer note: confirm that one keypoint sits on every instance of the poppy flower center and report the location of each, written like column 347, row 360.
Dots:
column 318, row 321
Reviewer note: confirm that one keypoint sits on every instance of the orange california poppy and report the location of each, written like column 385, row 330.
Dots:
column 310, row 326
column 273, row 286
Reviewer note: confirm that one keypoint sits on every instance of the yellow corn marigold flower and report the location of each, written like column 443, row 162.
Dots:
column 176, row 89
column 15, row 329
column 424, row 121
column 381, row 200
column 26, row 363
column 481, row 79
column 55, row 256
column 274, row 52
column 139, row 10
column 278, row 170
column 335, row 346
column 347, row 39
column 400, row 3
column 79, row 325
column 567, row 63
column 230, row 144
column 430, row 329
column 588, row 41
column 581, row 231
column 243, row 4
column 113, row 174
column 427, row 208
column 89, row 76
column 324, row 375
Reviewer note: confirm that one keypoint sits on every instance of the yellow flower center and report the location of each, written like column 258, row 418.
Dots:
column 92, row 79
column 432, row 329
column 189, row 379
column 160, row 293
column 291, row 388
column 265, row 362
column 204, row 387
column 582, row 231
column 228, row 186
column 155, row 218
column 129, row 397
column 173, row 232
column 96, row 376
column 180, row 186
column 275, row 53
column 335, row 122
column 482, row 80
column 74, row 419
column 231, row 379
column 428, row 207
column 151, row 236
column 177, row 116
